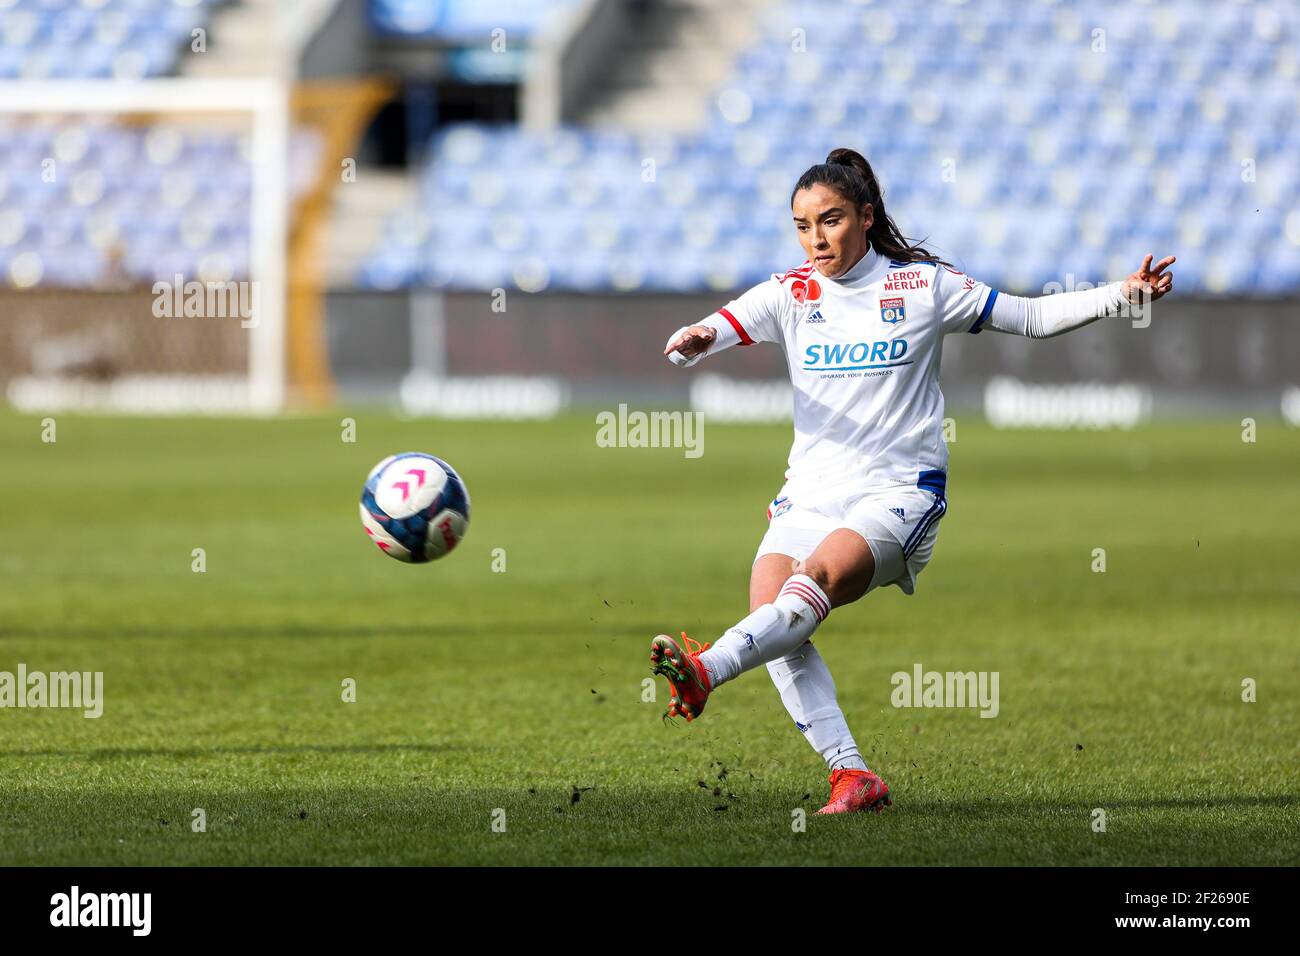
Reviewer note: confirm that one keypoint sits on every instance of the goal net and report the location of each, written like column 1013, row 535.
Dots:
column 143, row 245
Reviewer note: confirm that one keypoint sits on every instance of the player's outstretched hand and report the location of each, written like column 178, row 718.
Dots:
column 690, row 342
column 1150, row 282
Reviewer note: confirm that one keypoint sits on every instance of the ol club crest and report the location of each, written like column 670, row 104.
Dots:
column 891, row 311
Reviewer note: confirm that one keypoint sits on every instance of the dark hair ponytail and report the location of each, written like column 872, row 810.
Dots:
column 848, row 172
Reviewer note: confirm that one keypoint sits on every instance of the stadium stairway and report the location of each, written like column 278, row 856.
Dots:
column 257, row 38
column 672, row 64
column 356, row 223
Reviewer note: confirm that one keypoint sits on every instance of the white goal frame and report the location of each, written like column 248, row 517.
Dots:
column 267, row 102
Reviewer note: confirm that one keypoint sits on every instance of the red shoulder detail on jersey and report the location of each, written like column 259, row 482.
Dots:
column 800, row 283
column 803, row 272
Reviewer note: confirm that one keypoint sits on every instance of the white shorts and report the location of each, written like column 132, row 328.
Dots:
column 900, row 524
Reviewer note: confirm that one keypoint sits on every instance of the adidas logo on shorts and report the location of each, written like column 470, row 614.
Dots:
column 899, row 511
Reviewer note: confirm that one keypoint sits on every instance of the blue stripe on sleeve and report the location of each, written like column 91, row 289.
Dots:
column 984, row 313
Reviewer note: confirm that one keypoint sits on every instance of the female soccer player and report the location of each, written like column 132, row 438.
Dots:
column 862, row 323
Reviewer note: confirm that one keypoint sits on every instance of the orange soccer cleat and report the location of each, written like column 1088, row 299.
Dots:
column 685, row 673
column 853, row 790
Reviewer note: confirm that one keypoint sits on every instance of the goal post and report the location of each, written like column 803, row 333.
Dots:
column 255, row 109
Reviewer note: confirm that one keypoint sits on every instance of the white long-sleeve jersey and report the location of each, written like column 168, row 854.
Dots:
column 864, row 353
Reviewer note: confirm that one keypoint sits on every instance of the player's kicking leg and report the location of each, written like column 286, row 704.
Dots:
column 768, row 633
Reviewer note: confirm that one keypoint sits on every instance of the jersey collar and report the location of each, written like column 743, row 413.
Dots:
column 867, row 270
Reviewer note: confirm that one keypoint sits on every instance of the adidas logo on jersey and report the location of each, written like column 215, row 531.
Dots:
column 815, row 317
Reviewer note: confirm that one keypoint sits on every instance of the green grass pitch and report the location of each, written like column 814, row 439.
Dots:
column 520, row 690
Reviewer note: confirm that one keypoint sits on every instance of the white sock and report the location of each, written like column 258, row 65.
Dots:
column 808, row 693
column 769, row 632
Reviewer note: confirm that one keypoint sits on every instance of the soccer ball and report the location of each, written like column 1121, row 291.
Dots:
column 414, row 507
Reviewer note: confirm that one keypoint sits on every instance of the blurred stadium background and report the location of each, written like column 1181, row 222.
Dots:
column 502, row 207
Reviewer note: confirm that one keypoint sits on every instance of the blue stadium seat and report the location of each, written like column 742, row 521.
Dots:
column 1086, row 148
column 68, row 39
